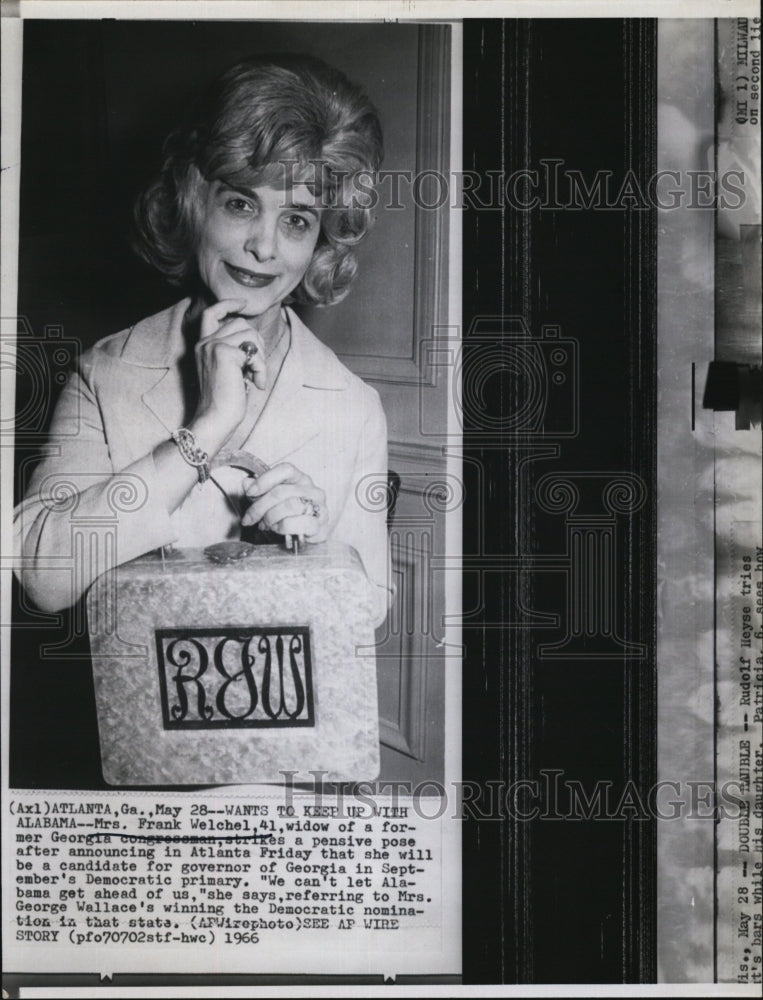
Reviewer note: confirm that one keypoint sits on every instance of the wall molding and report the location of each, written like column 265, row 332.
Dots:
column 430, row 303
column 406, row 734
column 417, row 454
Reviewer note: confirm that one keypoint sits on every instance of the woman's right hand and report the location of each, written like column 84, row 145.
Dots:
column 220, row 365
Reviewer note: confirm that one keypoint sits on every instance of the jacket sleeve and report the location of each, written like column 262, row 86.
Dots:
column 80, row 516
column 363, row 521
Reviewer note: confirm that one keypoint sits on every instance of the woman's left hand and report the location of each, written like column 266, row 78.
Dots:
column 288, row 502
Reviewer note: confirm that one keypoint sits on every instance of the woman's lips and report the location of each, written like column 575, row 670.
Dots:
column 249, row 279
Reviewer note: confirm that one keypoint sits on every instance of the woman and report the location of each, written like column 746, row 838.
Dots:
column 255, row 208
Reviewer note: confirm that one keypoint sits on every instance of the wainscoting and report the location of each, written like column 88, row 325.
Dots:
column 410, row 660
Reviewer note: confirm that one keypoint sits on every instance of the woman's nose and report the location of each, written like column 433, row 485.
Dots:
column 261, row 240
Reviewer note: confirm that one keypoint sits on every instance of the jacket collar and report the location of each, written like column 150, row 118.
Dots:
column 158, row 344
column 157, row 341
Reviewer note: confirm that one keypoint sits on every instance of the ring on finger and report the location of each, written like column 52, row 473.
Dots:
column 310, row 507
column 250, row 349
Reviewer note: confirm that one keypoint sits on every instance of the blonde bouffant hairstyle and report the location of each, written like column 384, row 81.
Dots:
column 264, row 115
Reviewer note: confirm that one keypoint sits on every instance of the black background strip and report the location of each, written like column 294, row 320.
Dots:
column 549, row 900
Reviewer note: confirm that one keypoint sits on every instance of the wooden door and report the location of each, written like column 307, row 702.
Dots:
column 387, row 331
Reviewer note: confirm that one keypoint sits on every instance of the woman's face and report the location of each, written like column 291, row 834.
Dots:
column 256, row 243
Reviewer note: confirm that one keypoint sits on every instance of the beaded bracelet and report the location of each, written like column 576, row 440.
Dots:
column 191, row 452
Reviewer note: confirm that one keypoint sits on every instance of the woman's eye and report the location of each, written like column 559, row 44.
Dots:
column 238, row 205
column 297, row 223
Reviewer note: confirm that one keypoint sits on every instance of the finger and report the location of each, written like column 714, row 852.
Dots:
column 249, row 342
column 305, row 526
column 255, row 366
column 301, row 492
column 284, row 472
column 229, row 330
column 251, row 489
column 285, row 493
column 237, row 334
column 290, row 507
column 213, row 316
column 228, row 353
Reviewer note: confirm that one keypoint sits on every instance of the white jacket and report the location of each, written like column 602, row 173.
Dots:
column 128, row 395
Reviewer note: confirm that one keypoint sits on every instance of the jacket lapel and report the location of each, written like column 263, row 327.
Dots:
column 295, row 414
column 155, row 364
column 155, row 350
column 166, row 399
